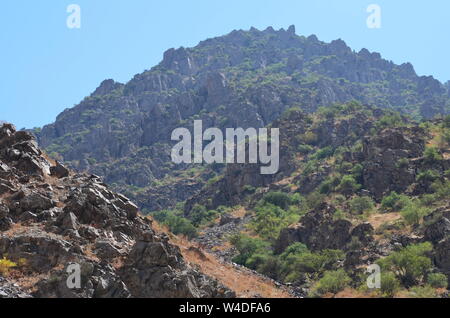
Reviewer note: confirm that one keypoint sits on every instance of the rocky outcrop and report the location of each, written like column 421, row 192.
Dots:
column 437, row 231
column 318, row 230
column 52, row 219
column 381, row 155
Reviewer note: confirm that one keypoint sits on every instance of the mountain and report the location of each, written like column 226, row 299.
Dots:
column 363, row 180
column 52, row 218
column 243, row 79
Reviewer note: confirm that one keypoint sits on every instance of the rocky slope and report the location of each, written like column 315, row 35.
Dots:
column 51, row 218
column 243, row 79
column 357, row 185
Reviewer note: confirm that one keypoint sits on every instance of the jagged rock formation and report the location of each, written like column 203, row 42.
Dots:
column 247, row 79
column 318, row 231
column 51, row 218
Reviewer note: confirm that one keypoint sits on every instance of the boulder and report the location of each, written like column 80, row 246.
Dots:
column 59, row 171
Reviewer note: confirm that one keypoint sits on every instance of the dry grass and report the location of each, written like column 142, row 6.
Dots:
column 241, row 281
column 353, row 293
column 376, row 220
column 239, row 213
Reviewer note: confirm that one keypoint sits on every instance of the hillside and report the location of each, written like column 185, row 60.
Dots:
column 52, row 219
column 357, row 186
column 363, row 180
column 242, row 79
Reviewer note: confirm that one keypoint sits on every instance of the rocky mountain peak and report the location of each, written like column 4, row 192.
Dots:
column 106, row 87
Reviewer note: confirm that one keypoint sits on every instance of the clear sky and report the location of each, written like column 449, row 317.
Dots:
column 46, row 67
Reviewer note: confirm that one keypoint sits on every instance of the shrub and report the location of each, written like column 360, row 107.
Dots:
column 309, row 262
column 441, row 189
column 247, row 248
column 432, row 155
column 270, row 220
column 176, row 224
column 270, row 267
column 447, row 121
column 309, row 138
column 423, row 292
column 348, row 185
column 413, row 213
column 357, row 171
column 394, row 202
column 280, row 199
column 410, row 264
column 437, row 280
column 332, row 282
column 5, row 266
column 402, row 163
column 305, row 149
column 314, row 199
column 249, row 189
column 200, row 215
column 326, row 187
column 427, row 176
column 359, row 205
column 389, row 284
column 324, row 153
column 390, row 121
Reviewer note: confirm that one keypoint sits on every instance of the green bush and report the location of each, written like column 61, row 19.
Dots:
column 176, row 224
column 304, row 261
column 357, row 171
column 390, row 121
column 413, row 213
column 305, row 149
column 314, row 199
column 270, row 267
column 446, row 123
column 437, row 280
column 348, row 185
column 402, row 163
column 427, row 176
column 441, row 189
column 280, row 199
column 326, row 187
column 251, row 250
column 410, row 264
column 432, row 155
column 359, row 205
column 395, row 202
column 200, row 215
column 309, row 138
column 271, row 219
column 324, row 153
column 389, row 284
column 332, row 282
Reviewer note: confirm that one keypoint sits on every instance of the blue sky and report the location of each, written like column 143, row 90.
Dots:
column 46, row 67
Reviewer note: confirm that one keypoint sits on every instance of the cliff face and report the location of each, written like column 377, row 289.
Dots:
column 52, row 218
column 243, row 79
